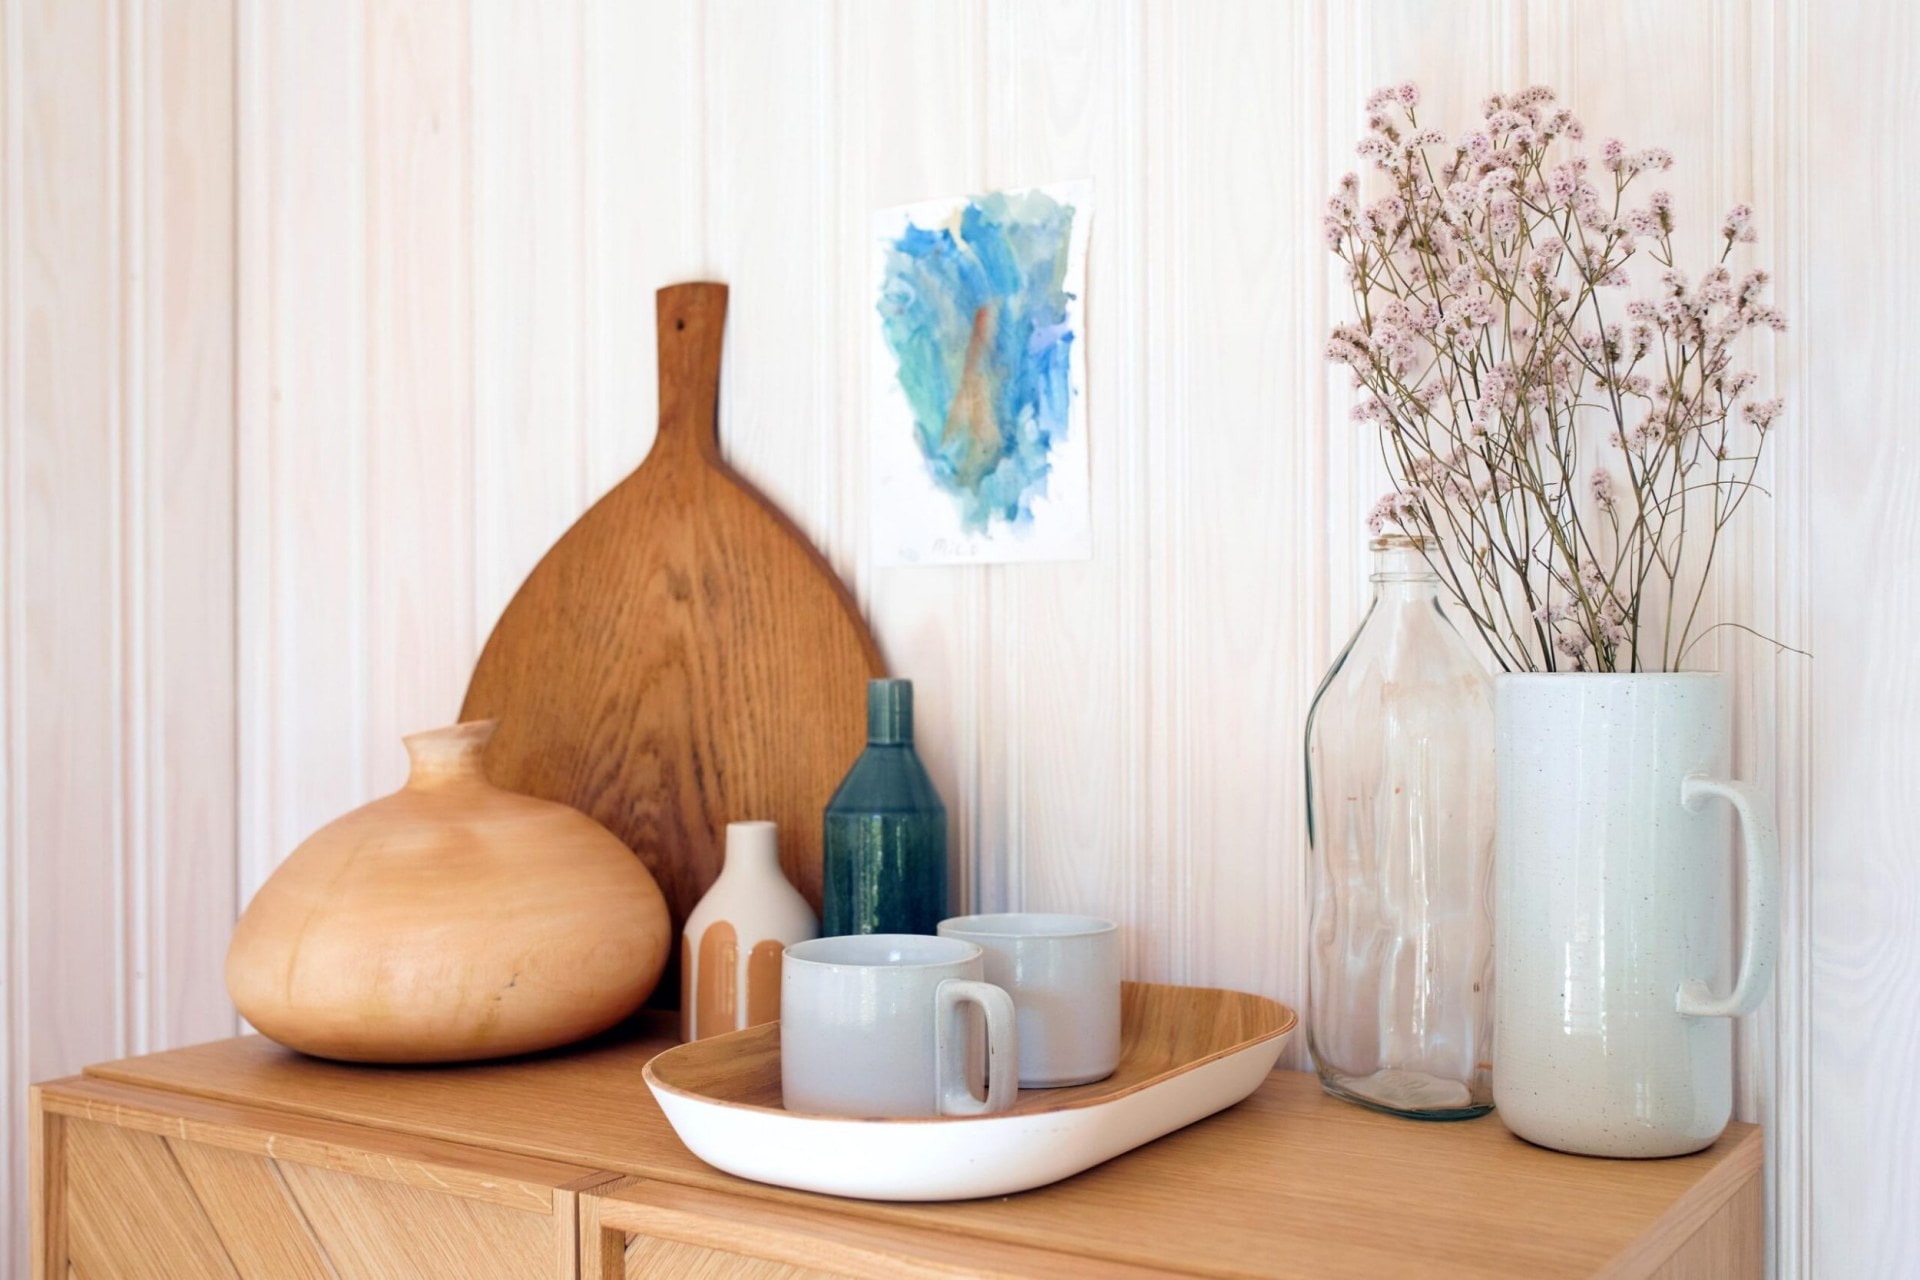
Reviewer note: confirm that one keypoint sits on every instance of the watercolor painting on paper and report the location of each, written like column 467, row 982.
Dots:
column 979, row 432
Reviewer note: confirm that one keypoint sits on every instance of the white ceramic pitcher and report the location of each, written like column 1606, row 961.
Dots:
column 1615, row 909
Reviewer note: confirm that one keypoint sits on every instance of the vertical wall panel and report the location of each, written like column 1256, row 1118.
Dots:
column 918, row 74
column 1240, row 585
column 1865, row 961
column 419, row 360
column 643, row 135
column 117, row 473
column 1776, row 1046
column 1070, row 653
column 303, row 512
column 16, row 970
column 770, row 166
column 528, row 364
column 71, row 469
column 183, row 147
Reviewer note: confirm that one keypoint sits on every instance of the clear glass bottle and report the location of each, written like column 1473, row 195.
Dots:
column 1400, row 821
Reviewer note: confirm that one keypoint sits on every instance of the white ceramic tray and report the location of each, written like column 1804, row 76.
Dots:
column 1186, row 1052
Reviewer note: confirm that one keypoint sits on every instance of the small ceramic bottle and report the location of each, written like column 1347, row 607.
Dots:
column 730, row 952
column 886, row 830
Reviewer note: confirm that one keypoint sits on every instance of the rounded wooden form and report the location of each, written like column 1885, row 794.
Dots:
column 449, row 921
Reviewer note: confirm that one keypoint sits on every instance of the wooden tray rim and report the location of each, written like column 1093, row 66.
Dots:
column 1285, row 1020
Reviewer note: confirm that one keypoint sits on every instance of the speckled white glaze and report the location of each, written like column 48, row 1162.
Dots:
column 1615, row 911
column 1063, row 973
column 874, row 1025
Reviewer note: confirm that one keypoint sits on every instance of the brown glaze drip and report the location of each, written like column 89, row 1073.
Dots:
column 763, row 983
column 686, row 988
column 718, row 982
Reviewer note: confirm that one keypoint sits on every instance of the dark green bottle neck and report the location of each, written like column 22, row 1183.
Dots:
column 890, row 713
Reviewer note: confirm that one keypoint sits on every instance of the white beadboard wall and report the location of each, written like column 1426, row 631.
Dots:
column 322, row 321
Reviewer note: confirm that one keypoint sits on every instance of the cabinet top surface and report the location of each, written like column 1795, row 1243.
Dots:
column 1289, row 1173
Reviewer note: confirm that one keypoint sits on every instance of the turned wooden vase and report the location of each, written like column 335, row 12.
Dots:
column 449, row 921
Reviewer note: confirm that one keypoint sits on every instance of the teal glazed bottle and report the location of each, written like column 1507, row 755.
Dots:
column 886, row 838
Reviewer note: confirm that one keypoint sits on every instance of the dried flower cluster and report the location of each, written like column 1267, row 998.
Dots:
column 1499, row 341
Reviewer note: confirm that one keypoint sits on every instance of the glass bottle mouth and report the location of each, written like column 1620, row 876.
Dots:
column 1402, row 557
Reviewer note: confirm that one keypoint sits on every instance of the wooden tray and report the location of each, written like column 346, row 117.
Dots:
column 1185, row 1053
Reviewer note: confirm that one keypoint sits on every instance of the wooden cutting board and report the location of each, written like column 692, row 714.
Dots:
column 682, row 657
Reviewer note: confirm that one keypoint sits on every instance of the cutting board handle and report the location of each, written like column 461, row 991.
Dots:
column 690, row 320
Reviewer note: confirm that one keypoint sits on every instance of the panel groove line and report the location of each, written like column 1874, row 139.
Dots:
column 14, row 965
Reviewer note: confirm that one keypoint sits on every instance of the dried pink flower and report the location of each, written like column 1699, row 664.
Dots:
column 1491, row 343
column 1602, row 484
column 1762, row 413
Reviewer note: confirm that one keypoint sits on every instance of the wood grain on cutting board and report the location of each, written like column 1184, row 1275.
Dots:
column 682, row 658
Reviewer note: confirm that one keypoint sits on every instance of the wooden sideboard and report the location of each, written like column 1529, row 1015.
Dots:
column 239, row 1158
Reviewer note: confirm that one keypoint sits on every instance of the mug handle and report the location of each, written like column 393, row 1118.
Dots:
column 951, row 1093
column 1759, row 929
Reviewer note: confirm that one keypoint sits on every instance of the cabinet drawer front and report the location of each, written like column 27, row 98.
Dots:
column 138, row 1193
column 635, row 1228
column 652, row 1257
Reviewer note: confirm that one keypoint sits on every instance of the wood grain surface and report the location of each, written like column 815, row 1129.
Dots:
column 1289, row 1182
column 1164, row 1030
column 155, row 1184
column 448, row 922
column 688, row 1232
column 682, row 658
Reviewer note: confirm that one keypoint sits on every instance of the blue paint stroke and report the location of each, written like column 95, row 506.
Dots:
column 976, row 318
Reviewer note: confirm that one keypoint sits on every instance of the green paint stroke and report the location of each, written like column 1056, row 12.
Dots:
column 977, row 321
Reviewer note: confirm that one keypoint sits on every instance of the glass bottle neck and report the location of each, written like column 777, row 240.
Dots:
column 1403, row 574
column 889, row 713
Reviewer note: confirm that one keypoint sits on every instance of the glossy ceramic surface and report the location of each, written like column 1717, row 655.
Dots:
column 1616, row 912
column 1063, row 972
column 875, row 1026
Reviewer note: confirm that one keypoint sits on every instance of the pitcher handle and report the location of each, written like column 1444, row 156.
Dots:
column 950, row 1048
column 1759, row 928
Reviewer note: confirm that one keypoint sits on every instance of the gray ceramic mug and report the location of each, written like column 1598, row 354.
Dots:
column 876, row 1025
column 1064, row 975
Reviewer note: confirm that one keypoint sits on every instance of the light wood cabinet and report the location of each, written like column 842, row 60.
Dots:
column 138, row 1183
column 239, row 1159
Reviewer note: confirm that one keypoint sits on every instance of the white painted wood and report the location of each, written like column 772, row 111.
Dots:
column 306, row 732
column 71, row 660
column 321, row 322
column 180, row 414
column 530, row 479
column 1069, row 667
column 16, row 970
column 642, row 210
column 419, row 541
column 1863, row 958
column 118, row 485
column 915, row 77
column 1240, row 586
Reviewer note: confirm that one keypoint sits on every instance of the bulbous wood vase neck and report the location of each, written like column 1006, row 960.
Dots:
column 451, row 756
